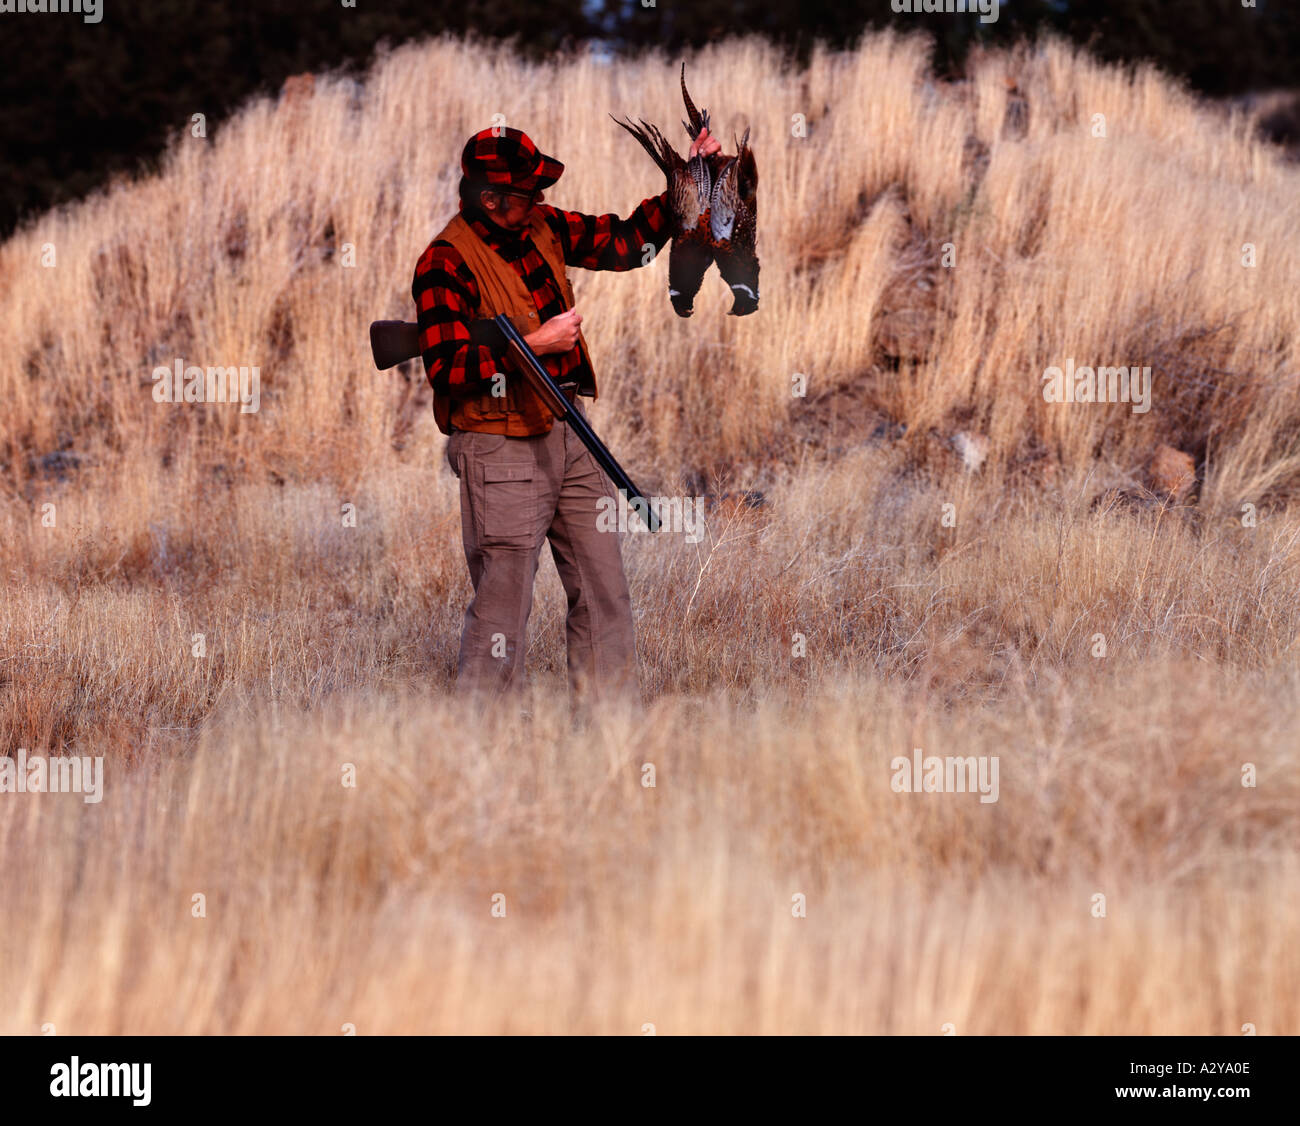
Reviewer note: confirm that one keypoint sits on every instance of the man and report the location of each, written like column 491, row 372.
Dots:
column 524, row 479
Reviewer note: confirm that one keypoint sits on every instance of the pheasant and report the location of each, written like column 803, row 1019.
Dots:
column 715, row 213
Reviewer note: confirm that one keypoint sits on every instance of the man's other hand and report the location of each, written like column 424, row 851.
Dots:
column 558, row 335
column 704, row 145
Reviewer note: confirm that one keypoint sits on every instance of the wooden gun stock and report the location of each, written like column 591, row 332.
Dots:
column 393, row 342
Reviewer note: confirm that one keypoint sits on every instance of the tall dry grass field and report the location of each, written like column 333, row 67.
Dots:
column 941, row 559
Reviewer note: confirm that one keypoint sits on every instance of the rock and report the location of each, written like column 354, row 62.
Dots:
column 1171, row 473
column 974, row 448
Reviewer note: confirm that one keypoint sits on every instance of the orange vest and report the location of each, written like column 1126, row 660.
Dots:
column 518, row 413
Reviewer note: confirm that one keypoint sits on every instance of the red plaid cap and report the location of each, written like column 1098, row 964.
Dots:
column 510, row 160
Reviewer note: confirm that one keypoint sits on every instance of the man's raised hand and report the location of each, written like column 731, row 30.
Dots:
column 704, row 144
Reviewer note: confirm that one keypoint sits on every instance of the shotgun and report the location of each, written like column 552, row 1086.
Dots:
column 393, row 342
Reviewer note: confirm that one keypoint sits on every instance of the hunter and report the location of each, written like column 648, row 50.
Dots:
column 523, row 479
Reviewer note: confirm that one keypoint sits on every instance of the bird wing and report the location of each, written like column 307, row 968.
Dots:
column 723, row 202
column 684, row 199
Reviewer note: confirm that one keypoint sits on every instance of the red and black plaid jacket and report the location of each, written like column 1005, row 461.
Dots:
column 462, row 351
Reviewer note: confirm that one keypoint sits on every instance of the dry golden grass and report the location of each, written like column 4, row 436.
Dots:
column 327, row 645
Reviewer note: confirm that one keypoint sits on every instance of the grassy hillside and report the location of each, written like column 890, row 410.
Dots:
column 1122, row 651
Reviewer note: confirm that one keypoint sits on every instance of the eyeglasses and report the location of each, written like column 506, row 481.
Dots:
column 528, row 197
